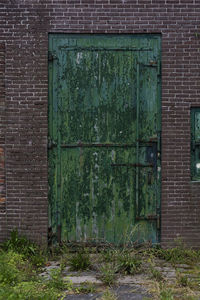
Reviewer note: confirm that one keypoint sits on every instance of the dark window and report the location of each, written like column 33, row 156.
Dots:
column 195, row 143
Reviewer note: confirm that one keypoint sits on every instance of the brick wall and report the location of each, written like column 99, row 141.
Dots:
column 2, row 143
column 25, row 34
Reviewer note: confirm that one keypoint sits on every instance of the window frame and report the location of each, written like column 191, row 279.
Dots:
column 195, row 145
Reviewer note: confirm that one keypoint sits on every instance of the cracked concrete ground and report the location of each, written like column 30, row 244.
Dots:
column 125, row 288
column 135, row 287
column 122, row 292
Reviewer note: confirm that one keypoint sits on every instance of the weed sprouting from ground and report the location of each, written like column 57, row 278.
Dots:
column 125, row 261
column 30, row 290
column 108, row 255
column 108, row 295
column 29, row 250
column 14, row 268
column 182, row 280
column 179, row 254
column 107, row 274
column 80, row 261
column 156, row 274
column 20, row 261
column 18, row 280
column 56, row 280
column 166, row 294
column 128, row 263
column 153, row 270
column 86, row 288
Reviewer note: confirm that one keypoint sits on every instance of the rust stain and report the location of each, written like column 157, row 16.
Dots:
column 2, row 200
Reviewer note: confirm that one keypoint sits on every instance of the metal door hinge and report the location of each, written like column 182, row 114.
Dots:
column 159, row 68
column 51, row 56
column 51, row 144
column 158, row 222
column 158, row 219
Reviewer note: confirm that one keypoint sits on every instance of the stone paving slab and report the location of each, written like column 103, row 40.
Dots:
column 136, row 279
column 81, row 279
column 123, row 292
column 127, row 292
column 82, row 297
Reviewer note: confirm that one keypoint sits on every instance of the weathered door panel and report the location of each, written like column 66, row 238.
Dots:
column 103, row 132
column 147, row 139
column 100, row 194
column 96, row 95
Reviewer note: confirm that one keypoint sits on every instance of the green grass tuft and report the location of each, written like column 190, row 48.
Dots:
column 79, row 261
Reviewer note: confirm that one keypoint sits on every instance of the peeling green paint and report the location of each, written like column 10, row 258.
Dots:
column 104, row 128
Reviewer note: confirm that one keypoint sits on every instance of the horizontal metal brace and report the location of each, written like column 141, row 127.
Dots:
column 104, row 49
column 133, row 165
column 148, row 218
column 152, row 140
column 151, row 65
column 106, row 145
column 96, row 145
column 102, row 145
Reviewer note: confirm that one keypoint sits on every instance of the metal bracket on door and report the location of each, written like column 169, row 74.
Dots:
column 150, row 218
column 133, row 165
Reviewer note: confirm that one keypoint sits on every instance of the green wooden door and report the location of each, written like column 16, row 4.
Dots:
column 104, row 145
